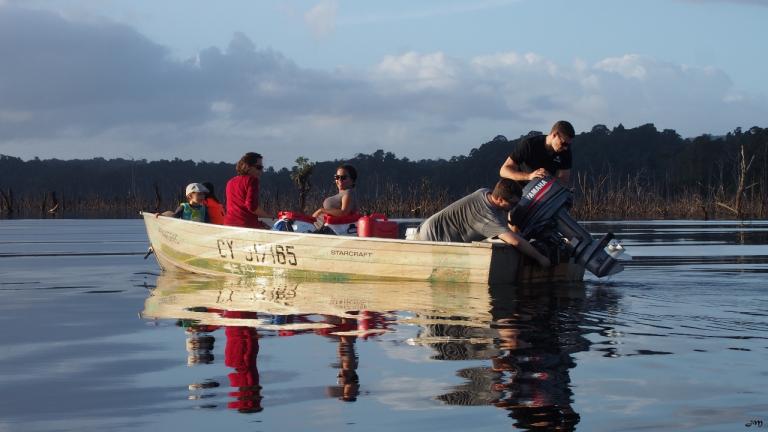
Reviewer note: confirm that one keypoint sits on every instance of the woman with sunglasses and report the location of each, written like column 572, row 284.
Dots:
column 243, row 207
column 343, row 203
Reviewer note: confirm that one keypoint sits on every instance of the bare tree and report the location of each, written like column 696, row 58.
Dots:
column 158, row 197
column 7, row 200
column 55, row 204
column 743, row 168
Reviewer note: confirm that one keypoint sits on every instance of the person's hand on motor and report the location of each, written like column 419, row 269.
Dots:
column 539, row 173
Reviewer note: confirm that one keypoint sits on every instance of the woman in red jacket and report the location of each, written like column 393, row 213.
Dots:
column 243, row 207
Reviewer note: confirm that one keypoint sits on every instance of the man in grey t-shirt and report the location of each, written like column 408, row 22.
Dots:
column 478, row 216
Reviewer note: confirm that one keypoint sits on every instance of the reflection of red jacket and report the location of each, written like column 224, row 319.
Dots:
column 240, row 354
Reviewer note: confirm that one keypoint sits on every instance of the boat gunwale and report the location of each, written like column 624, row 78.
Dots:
column 476, row 244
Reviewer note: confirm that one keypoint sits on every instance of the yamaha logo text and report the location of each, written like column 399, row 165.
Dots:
column 536, row 189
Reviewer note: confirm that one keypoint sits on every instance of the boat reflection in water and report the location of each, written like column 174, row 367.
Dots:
column 530, row 343
column 523, row 337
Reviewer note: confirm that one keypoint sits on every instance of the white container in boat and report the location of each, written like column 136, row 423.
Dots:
column 410, row 233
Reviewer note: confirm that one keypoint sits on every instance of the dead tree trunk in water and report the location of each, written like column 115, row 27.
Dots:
column 7, row 200
column 43, row 204
column 737, row 208
column 55, row 202
column 158, row 198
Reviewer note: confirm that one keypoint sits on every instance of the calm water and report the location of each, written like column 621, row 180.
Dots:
column 94, row 338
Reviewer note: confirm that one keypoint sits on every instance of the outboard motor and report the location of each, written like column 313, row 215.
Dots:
column 542, row 214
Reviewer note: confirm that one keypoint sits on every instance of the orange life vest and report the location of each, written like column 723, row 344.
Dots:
column 215, row 211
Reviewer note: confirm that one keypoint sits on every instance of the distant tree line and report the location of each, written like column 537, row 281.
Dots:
column 618, row 173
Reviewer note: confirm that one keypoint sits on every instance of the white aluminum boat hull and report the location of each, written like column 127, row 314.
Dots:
column 222, row 250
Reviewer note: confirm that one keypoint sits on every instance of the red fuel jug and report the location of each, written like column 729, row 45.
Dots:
column 376, row 225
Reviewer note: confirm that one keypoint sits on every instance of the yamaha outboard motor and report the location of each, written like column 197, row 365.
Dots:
column 542, row 214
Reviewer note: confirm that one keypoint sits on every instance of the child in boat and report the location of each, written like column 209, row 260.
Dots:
column 213, row 206
column 193, row 209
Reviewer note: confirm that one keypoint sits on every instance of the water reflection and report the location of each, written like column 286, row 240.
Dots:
column 240, row 354
column 348, row 383
column 243, row 308
column 242, row 348
column 522, row 340
column 534, row 333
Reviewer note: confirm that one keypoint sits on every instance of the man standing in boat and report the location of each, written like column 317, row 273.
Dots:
column 541, row 155
column 478, row 216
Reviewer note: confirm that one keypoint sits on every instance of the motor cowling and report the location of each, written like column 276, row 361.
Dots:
column 543, row 215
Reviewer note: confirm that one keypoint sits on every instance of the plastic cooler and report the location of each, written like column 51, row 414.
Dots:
column 295, row 216
column 294, row 221
column 342, row 225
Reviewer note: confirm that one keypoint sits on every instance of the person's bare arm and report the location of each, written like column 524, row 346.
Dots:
column 260, row 212
column 525, row 247
column 252, row 202
column 511, row 170
column 167, row 213
column 174, row 214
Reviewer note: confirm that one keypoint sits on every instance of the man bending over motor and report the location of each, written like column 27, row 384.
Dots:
column 478, row 216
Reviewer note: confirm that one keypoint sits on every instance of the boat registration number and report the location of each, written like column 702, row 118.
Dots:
column 262, row 253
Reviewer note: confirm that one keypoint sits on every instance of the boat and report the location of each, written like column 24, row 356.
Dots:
column 217, row 250
column 542, row 214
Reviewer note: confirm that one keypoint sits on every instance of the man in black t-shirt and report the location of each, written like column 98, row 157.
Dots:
column 542, row 155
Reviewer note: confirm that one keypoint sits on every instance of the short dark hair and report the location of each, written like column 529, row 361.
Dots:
column 563, row 127
column 246, row 162
column 211, row 193
column 507, row 190
column 351, row 171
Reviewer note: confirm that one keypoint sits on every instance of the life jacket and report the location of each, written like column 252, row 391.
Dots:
column 193, row 213
column 215, row 211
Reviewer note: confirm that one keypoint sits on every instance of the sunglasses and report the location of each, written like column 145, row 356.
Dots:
column 258, row 167
column 339, row 177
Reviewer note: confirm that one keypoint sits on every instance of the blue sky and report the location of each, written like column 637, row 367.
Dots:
column 328, row 79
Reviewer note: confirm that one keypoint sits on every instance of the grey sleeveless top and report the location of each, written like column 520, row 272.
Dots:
column 334, row 202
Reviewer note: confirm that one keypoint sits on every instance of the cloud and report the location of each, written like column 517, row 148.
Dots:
column 321, row 19
column 81, row 89
column 84, row 74
column 414, row 72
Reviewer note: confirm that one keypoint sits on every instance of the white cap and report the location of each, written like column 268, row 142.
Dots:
column 196, row 187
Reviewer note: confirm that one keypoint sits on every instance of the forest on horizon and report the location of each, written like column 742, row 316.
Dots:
column 623, row 173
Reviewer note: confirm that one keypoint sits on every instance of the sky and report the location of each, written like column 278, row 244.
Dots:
column 328, row 79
